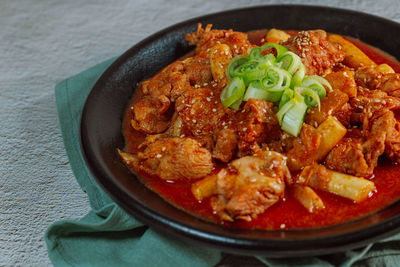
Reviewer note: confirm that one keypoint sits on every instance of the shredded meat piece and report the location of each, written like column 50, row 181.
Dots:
column 205, row 39
column 256, row 123
column 172, row 158
column 256, row 183
column 304, row 147
column 317, row 53
column 226, row 145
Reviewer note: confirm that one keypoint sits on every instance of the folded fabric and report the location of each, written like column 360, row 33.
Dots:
column 108, row 236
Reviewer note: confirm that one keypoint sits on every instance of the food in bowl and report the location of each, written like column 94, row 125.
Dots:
column 270, row 129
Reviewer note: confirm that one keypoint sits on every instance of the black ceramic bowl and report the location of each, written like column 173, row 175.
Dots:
column 104, row 108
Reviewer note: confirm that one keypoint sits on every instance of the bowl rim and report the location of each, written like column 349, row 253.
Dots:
column 237, row 244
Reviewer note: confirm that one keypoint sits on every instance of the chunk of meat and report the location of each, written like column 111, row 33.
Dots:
column 201, row 111
column 171, row 82
column 374, row 100
column 330, row 104
column 254, row 184
column 304, row 147
column 149, row 115
column 256, row 123
column 172, row 158
column 354, row 157
column 198, row 71
column 220, row 57
column 374, row 78
column 226, row 145
column 205, row 39
column 317, row 53
column 383, row 123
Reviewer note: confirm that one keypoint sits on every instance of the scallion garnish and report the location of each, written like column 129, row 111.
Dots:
column 276, row 79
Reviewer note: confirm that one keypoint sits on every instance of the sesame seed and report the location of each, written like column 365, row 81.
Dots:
column 194, row 121
column 214, row 110
column 283, row 226
column 158, row 156
column 208, row 99
column 163, row 148
column 193, row 101
column 131, row 107
column 244, row 129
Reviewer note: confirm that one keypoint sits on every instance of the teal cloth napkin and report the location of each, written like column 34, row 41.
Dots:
column 108, row 236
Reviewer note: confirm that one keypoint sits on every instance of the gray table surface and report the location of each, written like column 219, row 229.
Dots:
column 43, row 42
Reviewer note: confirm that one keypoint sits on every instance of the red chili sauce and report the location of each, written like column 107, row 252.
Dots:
column 287, row 211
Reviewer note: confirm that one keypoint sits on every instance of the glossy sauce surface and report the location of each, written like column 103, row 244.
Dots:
column 288, row 213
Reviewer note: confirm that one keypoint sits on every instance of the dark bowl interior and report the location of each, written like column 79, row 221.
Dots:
column 101, row 133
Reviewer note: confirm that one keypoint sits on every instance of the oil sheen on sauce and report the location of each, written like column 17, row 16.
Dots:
column 287, row 211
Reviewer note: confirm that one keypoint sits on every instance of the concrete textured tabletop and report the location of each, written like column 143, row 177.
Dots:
column 44, row 42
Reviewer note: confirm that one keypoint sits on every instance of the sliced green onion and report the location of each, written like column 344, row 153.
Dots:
column 286, row 97
column 285, row 108
column 311, row 97
column 255, row 90
column 266, row 61
column 249, row 71
column 314, row 84
column 276, row 79
column 235, row 63
column 290, row 62
column 255, row 53
column 237, row 104
column 279, row 49
column 294, row 118
column 233, row 92
column 298, row 76
column 322, row 81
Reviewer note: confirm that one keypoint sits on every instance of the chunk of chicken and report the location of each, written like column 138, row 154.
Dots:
column 171, row 158
column 304, row 147
column 353, row 156
column 201, row 111
column 316, row 52
column 379, row 78
column 171, row 82
column 382, row 122
column 226, row 145
column 256, row 123
column 220, row 56
column 205, row 39
column 253, row 184
column 149, row 115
